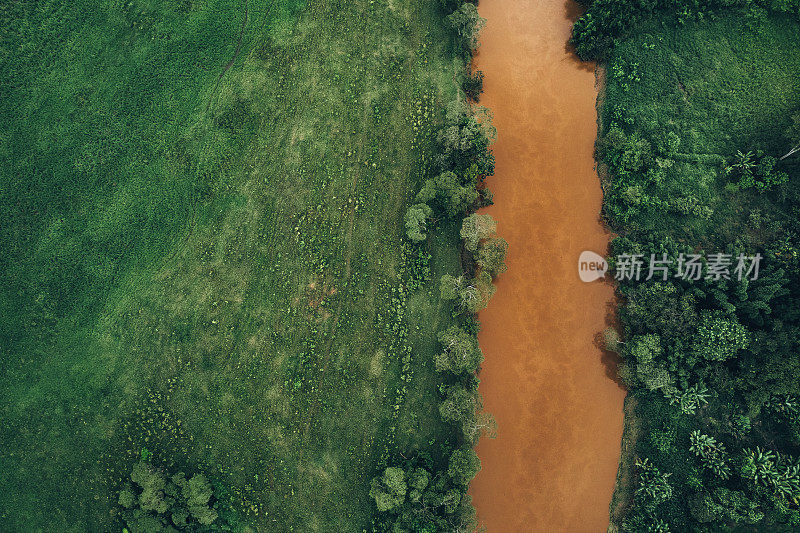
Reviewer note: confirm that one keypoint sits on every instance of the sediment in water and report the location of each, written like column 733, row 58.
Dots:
column 545, row 379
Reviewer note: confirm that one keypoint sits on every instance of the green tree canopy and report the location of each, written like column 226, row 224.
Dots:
column 447, row 190
column 492, row 256
column 417, row 221
column 463, row 466
column 389, row 490
column 468, row 24
column 460, row 352
column 154, row 502
column 476, row 228
column 720, row 337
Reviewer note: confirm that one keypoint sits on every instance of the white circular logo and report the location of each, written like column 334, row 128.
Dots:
column 591, row 266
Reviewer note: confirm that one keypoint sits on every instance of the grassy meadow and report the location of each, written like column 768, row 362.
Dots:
column 721, row 85
column 203, row 254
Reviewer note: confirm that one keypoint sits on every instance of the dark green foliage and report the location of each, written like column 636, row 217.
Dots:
column 754, row 171
column 434, row 502
column 653, row 487
column 417, row 222
column 471, row 295
column 449, row 193
column 476, row 228
column 726, row 506
column 467, row 24
column 463, row 466
column 491, row 256
column 473, row 85
column 711, row 362
column 719, row 338
column 464, row 141
column 607, row 22
column 389, row 490
column 464, row 407
column 713, row 454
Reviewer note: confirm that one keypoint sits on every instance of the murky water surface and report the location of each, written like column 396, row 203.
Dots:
column 545, row 379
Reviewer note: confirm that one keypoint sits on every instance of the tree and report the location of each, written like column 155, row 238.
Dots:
column 389, row 490
column 712, row 454
column 450, row 287
column 654, row 376
column 725, row 505
column 492, row 256
column 688, row 400
column 755, row 170
column 770, row 469
column 127, row 497
column 459, row 404
column 197, row 493
column 166, row 502
column 464, row 519
column 482, row 424
column 625, row 154
column 645, row 350
column 468, row 24
column 153, row 483
column 464, row 142
column 473, row 84
column 465, row 408
column 463, row 466
column 720, row 337
column 472, row 295
column 485, row 290
column 417, row 221
column 476, row 228
column 418, row 480
column 653, row 486
column 447, row 190
column 461, row 353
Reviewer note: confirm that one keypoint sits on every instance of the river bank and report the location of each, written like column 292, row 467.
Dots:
column 545, row 379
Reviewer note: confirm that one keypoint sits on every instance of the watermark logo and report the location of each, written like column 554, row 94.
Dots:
column 636, row 267
column 591, row 266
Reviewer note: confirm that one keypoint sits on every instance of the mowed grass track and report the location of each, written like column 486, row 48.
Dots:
column 201, row 252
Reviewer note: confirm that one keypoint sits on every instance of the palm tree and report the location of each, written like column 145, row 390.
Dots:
column 653, row 484
column 743, row 163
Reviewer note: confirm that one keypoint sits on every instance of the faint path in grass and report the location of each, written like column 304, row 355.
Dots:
column 230, row 63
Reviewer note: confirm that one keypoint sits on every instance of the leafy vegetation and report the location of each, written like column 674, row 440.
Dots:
column 696, row 117
column 606, row 23
column 418, row 494
column 153, row 501
column 205, row 253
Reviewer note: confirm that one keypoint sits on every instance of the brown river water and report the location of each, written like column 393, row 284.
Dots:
column 547, row 382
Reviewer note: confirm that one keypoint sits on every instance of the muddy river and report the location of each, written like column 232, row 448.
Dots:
column 546, row 380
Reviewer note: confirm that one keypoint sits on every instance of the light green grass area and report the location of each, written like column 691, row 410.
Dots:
column 720, row 86
column 202, row 252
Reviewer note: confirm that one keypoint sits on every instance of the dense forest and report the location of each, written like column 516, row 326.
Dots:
column 699, row 119
column 241, row 265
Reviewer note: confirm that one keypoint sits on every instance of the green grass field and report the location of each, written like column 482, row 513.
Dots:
column 720, row 86
column 202, row 252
